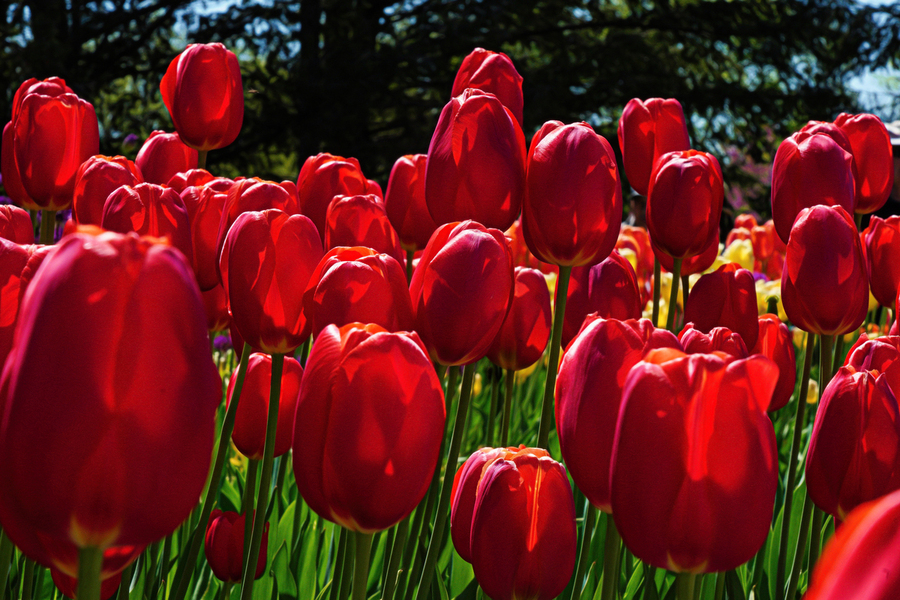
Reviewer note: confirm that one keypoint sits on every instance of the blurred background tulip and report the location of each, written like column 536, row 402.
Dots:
column 647, row 130
column 224, row 545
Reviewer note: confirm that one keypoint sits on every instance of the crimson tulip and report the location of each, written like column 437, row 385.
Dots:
column 573, row 205
column 97, row 178
column 323, row 177
column 106, row 454
column 882, row 247
column 266, row 261
column 461, row 291
column 694, row 464
column 15, row 224
column 872, row 154
column 204, row 207
column 379, row 389
column 405, row 202
column 215, row 302
column 717, row 339
column 203, row 92
column 194, row 178
column 361, row 221
column 776, row 343
column 825, row 289
column 809, row 169
column 476, row 162
column 526, row 329
column 725, row 298
column 18, row 264
column 224, row 545
column 513, row 516
column 491, row 72
column 647, row 130
column 163, row 156
column 692, row 264
column 879, row 355
column 149, row 209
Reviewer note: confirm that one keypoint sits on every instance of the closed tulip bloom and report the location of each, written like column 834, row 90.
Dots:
column 526, row 329
column 522, row 533
column 809, row 169
column 149, row 209
column 725, row 298
column 775, row 342
column 825, row 288
column 266, row 262
column 204, row 207
column 862, row 560
column 461, row 291
column 882, row 249
column 692, row 264
column 249, row 435
column 717, row 339
column 361, row 221
column 872, row 153
column 15, row 224
column 68, row 586
column 684, row 202
column 573, row 207
column 368, row 427
column 853, row 450
column 163, row 156
column 491, row 72
column 647, row 130
column 106, row 453
column 97, row 178
column 464, row 493
column 203, row 92
column 405, row 202
column 609, row 288
column 18, row 264
column 694, row 466
column 323, row 177
column 356, row 284
column 881, row 355
column 224, row 545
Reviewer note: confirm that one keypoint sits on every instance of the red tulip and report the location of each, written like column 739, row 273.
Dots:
column 405, row 202
column 249, row 435
column 355, row 284
column 113, row 450
column 684, row 202
column 361, row 221
column 882, row 248
column 825, row 288
column 862, row 560
column 149, row 209
column 68, row 586
column 853, row 449
column 609, row 288
column 379, row 390
column 476, row 162
column 725, row 298
column 638, row 240
column 717, row 340
column 775, row 342
column 872, row 153
column 881, row 355
column 526, row 329
column 203, row 92
column 521, row 524
column 461, row 291
column 15, row 224
column 194, row 178
column 224, row 545
column 647, row 130
column 18, row 264
column 694, row 478
column 573, row 207
column 215, row 302
column 323, row 177
column 163, row 156
column 491, row 72
column 692, row 264
column 204, row 207
column 809, row 169
column 266, row 262
column 97, row 178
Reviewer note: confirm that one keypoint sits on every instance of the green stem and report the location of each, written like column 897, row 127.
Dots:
column 610, row 561
column 657, row 284
column 409, row 264
column 247, row 506
column 507, row 407
column 801, row 546
column 48, row 224
column 815, row 534
column 649, row 580
column 265, row 478
column 685, row 291
column 163, row 569
column 496, row 373
column 684, row 586
column 337, row 576
column 590, row 520
column 390, row 581
column 772, row 309
column 673, row 298
column 90, row 563
column 27, row 579
column 720, row 585
column 559, row 313
column 792, row 464
column 201, row 158
column 857, row 218
column 125, row 586
column 6, row 552
column 186, row 566
column 437, row 534
column 225, row 592
column 347, row 569
column 827, row 361
column 361, row 571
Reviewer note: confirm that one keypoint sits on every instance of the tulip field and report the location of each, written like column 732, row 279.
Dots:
column 477, row 382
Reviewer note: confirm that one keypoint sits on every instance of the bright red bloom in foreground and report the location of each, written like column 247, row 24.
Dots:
column 647, row 130
column 114, row 449
column 725, row 298
column 224, row 545
column 526, row 329
column 491, row 72
column 163, row 156
column 872, row 153
column 368, row 426
column 513, row 518
column 203, row 93
column 694, row 466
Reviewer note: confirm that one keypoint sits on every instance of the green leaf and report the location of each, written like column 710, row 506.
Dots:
column 461, row 574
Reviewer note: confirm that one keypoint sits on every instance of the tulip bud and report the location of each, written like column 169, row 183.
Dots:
column 163, row 156
column 224, row 545
column 647, row 130
column 492, row 72
column 97, row 178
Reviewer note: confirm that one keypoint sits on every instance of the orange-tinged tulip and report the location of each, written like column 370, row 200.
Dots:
column 224, row 545
column 97, row 178
column 491, row 72
column 647, row 130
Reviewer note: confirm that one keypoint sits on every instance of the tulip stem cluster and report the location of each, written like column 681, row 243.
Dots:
column 559, row 313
